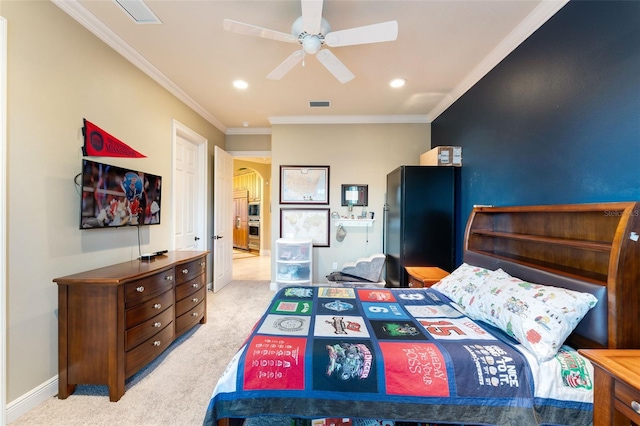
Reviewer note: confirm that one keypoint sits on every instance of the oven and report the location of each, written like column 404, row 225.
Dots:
column 254, row 234
column 254, row 209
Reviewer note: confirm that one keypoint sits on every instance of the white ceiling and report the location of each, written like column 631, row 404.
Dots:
column 443, row 48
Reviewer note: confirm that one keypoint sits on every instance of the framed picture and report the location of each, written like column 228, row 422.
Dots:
column 355, row 195
column 305, row 223
column 304, row 184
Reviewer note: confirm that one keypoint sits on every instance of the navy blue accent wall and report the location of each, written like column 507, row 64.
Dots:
column 558, row 120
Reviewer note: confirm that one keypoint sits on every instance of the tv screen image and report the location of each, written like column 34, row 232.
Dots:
column 115, row 196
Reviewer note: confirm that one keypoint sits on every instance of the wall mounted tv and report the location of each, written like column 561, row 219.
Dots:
column 114, row 197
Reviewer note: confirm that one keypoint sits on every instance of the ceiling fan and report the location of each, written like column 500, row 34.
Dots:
column 312, row 31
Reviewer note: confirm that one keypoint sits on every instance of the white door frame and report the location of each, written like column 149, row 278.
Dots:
column 3, row 220
column 180, row 130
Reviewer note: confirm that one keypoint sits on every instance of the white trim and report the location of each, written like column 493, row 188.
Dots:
column 3, row 219
column 78, row 12
column 349, row 119
column 541, row 14
column 32, row 399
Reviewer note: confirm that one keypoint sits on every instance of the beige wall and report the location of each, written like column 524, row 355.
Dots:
column 58, row 74
column 356, row 154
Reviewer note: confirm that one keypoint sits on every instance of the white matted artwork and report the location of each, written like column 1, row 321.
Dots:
column 304, row 184
column 305, row 223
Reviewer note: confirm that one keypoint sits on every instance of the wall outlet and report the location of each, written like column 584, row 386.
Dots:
column 335, row 265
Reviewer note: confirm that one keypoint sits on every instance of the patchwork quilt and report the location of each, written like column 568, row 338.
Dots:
column 396, row 354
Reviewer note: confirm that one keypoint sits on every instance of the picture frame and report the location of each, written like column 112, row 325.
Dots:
column 305, row 223
column 355, row 195
column 304, row 184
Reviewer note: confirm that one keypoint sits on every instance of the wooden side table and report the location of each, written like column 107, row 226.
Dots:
column 424, row 276
column 616, row 399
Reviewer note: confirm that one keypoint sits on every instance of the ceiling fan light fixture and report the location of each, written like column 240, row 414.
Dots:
column 397, row 82
column 240, row 84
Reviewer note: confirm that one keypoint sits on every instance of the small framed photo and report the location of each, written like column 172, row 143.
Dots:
column 355, row 195
column 304, row 184
column 305, row 223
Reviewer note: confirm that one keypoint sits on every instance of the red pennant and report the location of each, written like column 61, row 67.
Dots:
column 98, row 143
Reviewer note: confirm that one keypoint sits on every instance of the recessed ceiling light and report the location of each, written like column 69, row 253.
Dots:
column 240, row 84
column 397, row 82
column 245, row 124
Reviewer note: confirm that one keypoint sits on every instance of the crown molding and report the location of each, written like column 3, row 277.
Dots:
column 349, row 119
column 78, row 12
column 541, row 14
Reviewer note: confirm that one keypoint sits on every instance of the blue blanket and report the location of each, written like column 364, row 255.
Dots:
column 396, row 354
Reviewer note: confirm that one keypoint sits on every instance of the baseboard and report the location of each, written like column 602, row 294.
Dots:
column 31, row 399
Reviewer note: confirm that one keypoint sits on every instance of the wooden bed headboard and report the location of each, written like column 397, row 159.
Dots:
column 591, row 248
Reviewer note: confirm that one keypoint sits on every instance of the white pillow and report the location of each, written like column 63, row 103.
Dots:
column 539, row 317
column 462, row 284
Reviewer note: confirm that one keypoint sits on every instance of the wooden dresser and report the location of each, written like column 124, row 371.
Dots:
column 113, row 321
column 616, row 386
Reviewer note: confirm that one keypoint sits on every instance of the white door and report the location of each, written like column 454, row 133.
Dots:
column 189, row 189
column 222, row 219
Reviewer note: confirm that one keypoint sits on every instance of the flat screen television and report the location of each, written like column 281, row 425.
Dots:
column 115, row 197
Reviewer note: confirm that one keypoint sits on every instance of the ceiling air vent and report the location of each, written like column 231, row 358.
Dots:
column 319, row 104
column 139, row 11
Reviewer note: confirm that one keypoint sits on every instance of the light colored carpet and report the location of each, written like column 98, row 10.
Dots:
column 175, row 388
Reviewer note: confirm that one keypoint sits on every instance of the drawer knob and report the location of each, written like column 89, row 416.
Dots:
column 157, row 343
column 202, row 263
column 185, row 271
column 195, row 314
column 194, row 285
column 169, row 277
column 635, row 405
column 140, row 289
column 157, row 324
column 194, row 300
column 157, row 306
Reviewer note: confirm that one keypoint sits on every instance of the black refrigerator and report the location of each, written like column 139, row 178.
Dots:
column 422, row 204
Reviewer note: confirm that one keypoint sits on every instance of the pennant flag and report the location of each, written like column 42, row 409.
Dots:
column 98, row 143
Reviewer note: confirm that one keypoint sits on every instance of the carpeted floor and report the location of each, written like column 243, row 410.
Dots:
column 175, row 388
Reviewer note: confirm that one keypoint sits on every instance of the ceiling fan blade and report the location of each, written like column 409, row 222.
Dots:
column 311, row 15
column 375, row 33
column 335, row 66
column 247, row 29
column 286, row 65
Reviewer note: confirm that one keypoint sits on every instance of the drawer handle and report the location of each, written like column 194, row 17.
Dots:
column 157, row 324
column 195, row 314
column 194, row 285
column 157, row 343
column 194, row 300
column 140, row 289
column 157, row 306
column 635, row 405
column 185, row 271
column 169, row 278
column 202, row 263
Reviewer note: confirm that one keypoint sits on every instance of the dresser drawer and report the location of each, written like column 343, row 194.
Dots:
column 189, row 318
column 189, row 270
column 142, row 354
column 141, row 332
column 190, row 301
column 144, row 287
column 145, row 310
column 627, row 401
column 189, row 287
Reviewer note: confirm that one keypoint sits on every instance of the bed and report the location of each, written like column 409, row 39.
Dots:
column 493, row 343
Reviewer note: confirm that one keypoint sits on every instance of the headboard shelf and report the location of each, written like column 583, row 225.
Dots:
column 586, row 247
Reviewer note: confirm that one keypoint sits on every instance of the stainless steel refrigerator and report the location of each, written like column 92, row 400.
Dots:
column 422, row 203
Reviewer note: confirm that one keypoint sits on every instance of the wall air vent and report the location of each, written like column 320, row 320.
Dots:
column 139, row 11
column 319, row 104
